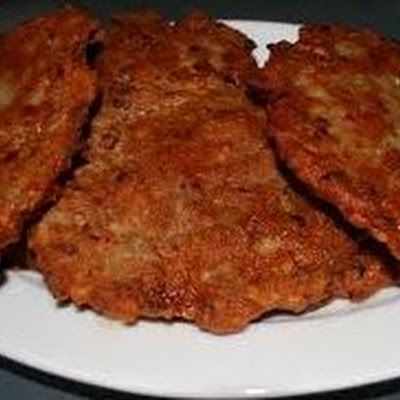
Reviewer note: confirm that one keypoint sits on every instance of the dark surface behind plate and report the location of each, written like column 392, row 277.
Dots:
column 20, row 383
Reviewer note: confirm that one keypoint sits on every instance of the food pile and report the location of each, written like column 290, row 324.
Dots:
column 158, row 172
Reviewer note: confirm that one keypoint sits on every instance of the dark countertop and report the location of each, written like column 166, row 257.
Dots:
column 18, row 382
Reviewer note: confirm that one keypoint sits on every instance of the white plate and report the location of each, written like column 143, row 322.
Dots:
column 339, row 346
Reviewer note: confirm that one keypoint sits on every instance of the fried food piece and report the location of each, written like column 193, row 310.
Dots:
column 46, row 87
column 335, row 117
column 180, row 211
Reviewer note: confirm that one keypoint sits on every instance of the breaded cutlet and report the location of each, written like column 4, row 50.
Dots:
column 180, row 211
column 335, row 117
column 46, row 87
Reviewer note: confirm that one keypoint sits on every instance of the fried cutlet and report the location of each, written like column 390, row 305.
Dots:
column 335, row 117
column 180, row 211
column 46, row 87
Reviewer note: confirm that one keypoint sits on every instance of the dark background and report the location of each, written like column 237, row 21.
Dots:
column 383, row 15
column 20, row 383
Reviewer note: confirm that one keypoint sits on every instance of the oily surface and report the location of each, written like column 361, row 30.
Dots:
column 180, row 211
column 45, row 90
column 335, row 117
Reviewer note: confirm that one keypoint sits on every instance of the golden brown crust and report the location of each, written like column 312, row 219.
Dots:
column 181, row 212
column 46, row 88
column 335, row 101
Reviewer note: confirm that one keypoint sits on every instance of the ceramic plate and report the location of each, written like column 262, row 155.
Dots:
column 339, row 346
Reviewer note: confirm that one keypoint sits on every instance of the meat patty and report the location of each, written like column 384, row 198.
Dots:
column 180, row 211
column 335, row 116
column 46, row 88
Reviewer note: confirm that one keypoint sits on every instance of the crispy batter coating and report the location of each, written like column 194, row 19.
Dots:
column 335, row 117
column 180, row 211
column 45, row 90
